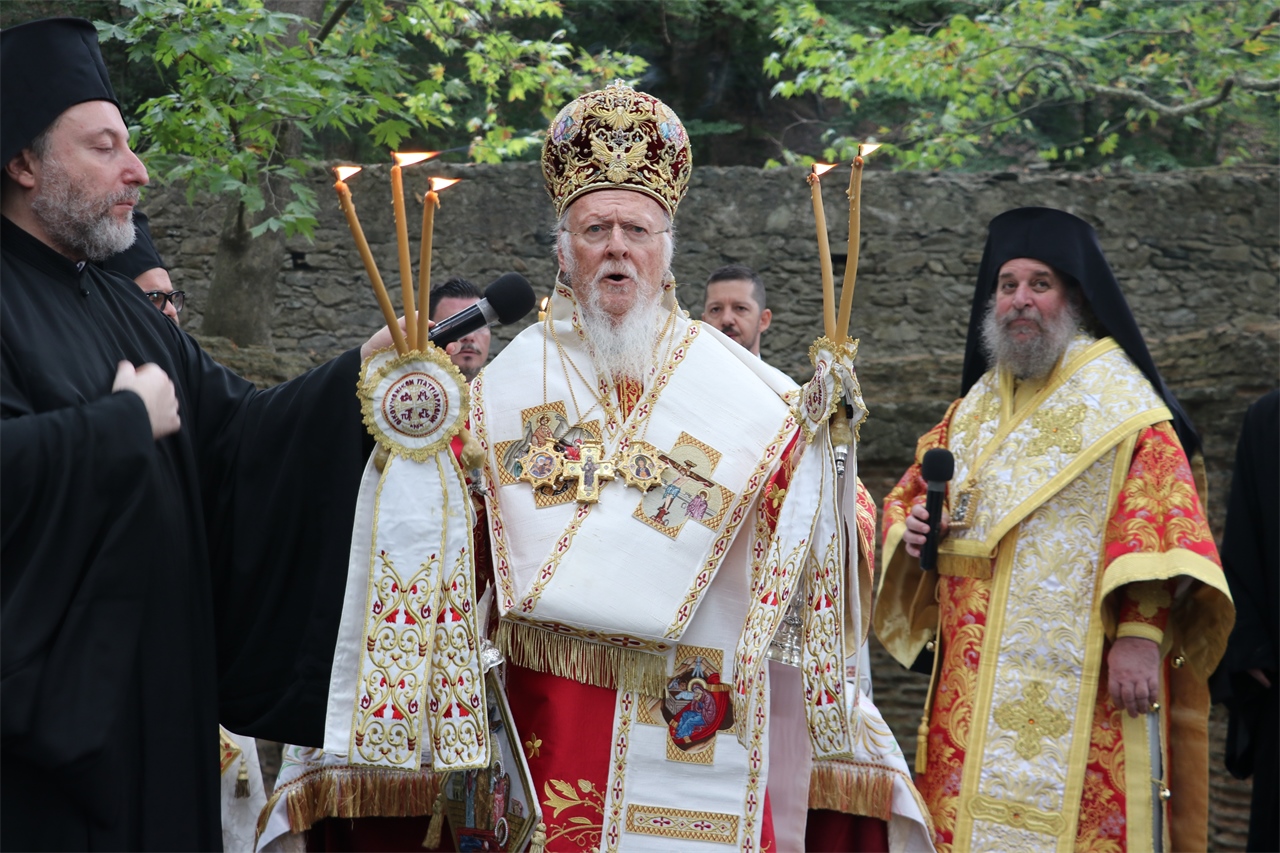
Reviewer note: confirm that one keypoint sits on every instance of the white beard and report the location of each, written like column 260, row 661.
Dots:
column 77, row 221
column 1034, row 358
column 624, row 349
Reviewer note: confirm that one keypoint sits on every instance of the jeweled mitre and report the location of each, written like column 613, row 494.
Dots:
column 617, row 138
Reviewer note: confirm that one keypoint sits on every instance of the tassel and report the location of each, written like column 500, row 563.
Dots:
column 472, row 455
column 538, row 844
column 432, row 841
column 922, row 745
column 242, row 780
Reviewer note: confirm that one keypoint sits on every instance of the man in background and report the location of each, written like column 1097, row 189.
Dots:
column 448, row 299
column 735, row 304
column 142, row 263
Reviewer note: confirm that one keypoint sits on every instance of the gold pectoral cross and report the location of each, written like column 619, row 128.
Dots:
column 590, row 469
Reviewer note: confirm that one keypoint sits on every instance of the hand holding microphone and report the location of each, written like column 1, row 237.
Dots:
column 924, row 524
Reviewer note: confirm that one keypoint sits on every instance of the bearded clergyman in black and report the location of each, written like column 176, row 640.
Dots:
column 174, row 541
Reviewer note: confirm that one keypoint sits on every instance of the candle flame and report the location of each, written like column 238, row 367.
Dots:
column 438, row 184
column 542, row 306
column 823, row 168
column 408, row 158
column 344, row 172
column 867, row 147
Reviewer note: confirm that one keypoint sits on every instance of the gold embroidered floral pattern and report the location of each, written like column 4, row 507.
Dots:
column 967, row 427
column 584, row 828
column 1058, row 428
column 533, row 746
column 1032, row 719
column 1158, row 508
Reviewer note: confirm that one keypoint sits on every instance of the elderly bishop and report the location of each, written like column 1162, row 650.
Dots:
column 637, row 612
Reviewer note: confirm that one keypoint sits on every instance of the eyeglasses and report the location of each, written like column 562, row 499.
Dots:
column 600, row 233
column 158, row 298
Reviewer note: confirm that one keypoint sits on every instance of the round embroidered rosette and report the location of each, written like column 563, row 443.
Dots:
column 415, row 403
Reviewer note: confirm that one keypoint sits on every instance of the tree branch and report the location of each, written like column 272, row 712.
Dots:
column 339, row 12
column 1163, row 109
column 1266, row 25
column 1146, row 33
column 1253, row 84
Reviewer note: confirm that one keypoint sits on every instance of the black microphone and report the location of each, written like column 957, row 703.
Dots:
column 937, row 468
column 507, row 298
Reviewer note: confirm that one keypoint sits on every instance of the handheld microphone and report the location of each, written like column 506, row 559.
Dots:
column 937, row 468
column 507, row 298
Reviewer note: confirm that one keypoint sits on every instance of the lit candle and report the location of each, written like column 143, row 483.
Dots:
column 824, row 250
column 402, row 239
column 379, row 290
column 542, row 309
column 430, row 201
column 855, row 241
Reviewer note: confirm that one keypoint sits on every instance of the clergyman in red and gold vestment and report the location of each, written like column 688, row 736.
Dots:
column 1078, row 604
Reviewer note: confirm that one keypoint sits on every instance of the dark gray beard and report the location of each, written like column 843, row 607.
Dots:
column 77, row 222
column 1034, row 358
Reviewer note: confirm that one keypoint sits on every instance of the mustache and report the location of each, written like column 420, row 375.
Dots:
column 468, row 348
column 609, row 268
column 1029, row 313
column 133, row 194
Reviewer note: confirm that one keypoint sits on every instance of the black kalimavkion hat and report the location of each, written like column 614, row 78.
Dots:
column 46, row 67
column 1069, row 245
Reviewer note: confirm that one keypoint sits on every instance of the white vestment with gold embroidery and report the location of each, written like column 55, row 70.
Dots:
column 640, row 589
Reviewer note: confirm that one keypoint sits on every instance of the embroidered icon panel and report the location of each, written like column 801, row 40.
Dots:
column 687, row 492
column 546, row 425
column 697, row 705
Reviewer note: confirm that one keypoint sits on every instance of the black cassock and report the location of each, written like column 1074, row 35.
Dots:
column 1251, row 560
column 152, row 589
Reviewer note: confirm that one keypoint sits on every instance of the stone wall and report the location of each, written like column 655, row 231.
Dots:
column 1196, row 252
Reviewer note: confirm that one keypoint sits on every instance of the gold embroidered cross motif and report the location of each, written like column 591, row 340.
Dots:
column 590, row 469
column 687, row 491
column 1032, row 719
column 547, row 440
column 1058, row 428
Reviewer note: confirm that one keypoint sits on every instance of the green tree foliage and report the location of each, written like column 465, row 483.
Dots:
column 243, row 74
column 1094, row 83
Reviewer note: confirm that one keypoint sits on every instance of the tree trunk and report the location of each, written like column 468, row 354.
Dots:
column 243, row 287
column 246, row 269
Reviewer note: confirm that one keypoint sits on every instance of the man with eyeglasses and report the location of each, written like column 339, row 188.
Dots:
column 650, row 503
column 173, row 542
column 141, row 262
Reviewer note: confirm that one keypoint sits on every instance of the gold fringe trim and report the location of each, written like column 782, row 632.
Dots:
column 582, row 660
column 857, row 789
column 957, row 566
column 344, row 791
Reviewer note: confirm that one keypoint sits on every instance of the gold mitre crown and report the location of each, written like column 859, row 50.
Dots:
column 617, row 138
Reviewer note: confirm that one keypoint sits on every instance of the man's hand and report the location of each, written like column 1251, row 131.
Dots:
column 918, row 529
column 1133, row 676
column 382, row 339
column 154, row 386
